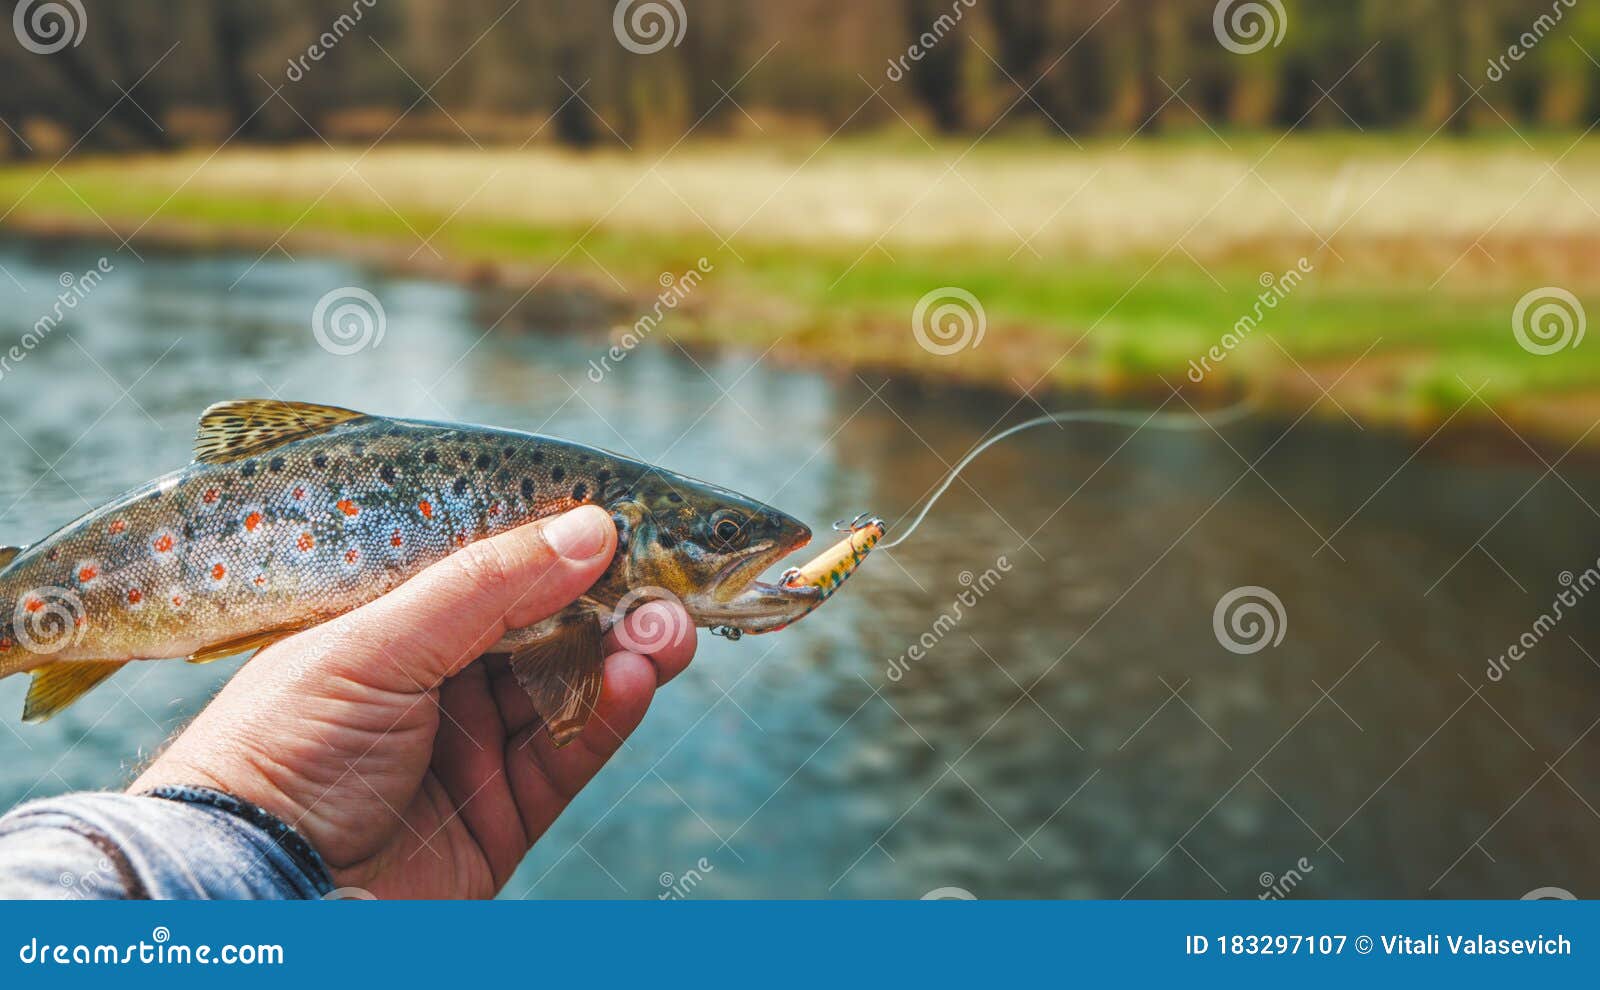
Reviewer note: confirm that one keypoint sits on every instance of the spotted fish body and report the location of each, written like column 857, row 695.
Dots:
column 292, row 514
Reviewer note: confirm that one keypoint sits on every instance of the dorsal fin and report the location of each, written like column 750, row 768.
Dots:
column 240, row 428
column 8, row 554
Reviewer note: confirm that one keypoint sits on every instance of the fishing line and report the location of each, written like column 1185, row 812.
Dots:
column 1161, row 421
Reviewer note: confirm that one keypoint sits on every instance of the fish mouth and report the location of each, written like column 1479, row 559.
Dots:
column 741, row 601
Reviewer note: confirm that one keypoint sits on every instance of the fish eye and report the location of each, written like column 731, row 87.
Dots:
column 727, row 529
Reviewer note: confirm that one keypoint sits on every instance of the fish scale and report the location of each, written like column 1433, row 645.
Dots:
column 294, row 513
column 309, row 531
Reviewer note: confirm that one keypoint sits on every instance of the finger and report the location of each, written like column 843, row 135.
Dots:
column 545, row 777
column 660, row 630
column 443, row 618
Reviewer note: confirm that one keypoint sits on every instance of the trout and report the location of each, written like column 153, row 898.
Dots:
column 293, row 513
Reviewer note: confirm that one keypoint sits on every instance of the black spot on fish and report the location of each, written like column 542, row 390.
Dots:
column 528, row 488
column 188, row 531
column 483, row 462
column 276, row 464
column 503, row 475
column 464, row 454
column 538, row 456
column 249, row 469
column 508, row 453
column 580, row 491
column 557, row 473
column 602, row 476
column 674, row 497
column 320, row 461
column 460, row 487
column 387, row 474
column 154, row 496
column 666, row 540
column 430, row 456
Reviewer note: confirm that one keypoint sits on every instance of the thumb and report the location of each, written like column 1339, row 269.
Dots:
column 427, row 629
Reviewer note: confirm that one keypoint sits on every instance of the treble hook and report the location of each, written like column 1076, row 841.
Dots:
column 854, row 524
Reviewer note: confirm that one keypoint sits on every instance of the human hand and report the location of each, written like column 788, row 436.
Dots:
column 416, row 769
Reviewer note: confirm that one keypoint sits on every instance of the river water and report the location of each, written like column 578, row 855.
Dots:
column 1081, row 730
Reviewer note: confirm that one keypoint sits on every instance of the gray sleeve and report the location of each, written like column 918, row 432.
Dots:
column 174, row 842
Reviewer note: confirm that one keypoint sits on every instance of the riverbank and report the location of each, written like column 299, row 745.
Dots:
column 1385, row 275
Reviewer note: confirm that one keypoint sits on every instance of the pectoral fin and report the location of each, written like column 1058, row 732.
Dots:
column 561, row 673
column 243, row 644
column 57, row 685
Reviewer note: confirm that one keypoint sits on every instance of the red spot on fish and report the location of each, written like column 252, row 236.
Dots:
column 494, row 510
column 349, row 556
column 305, row 542
column 426, row 509
column 163, row 543
column 461, row 540
column 252, row 521
column 87, row 574
column 348, row 507
column 261, row 579
column 298, row 492
column 33, row 604
column 177, row 600
column 396, row 539
column 6, row 644
column 117, row 526
column 211, row 495
column 218, row 572
column 135, row 596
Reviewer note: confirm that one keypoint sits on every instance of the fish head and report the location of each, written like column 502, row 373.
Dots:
column 707, row 547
